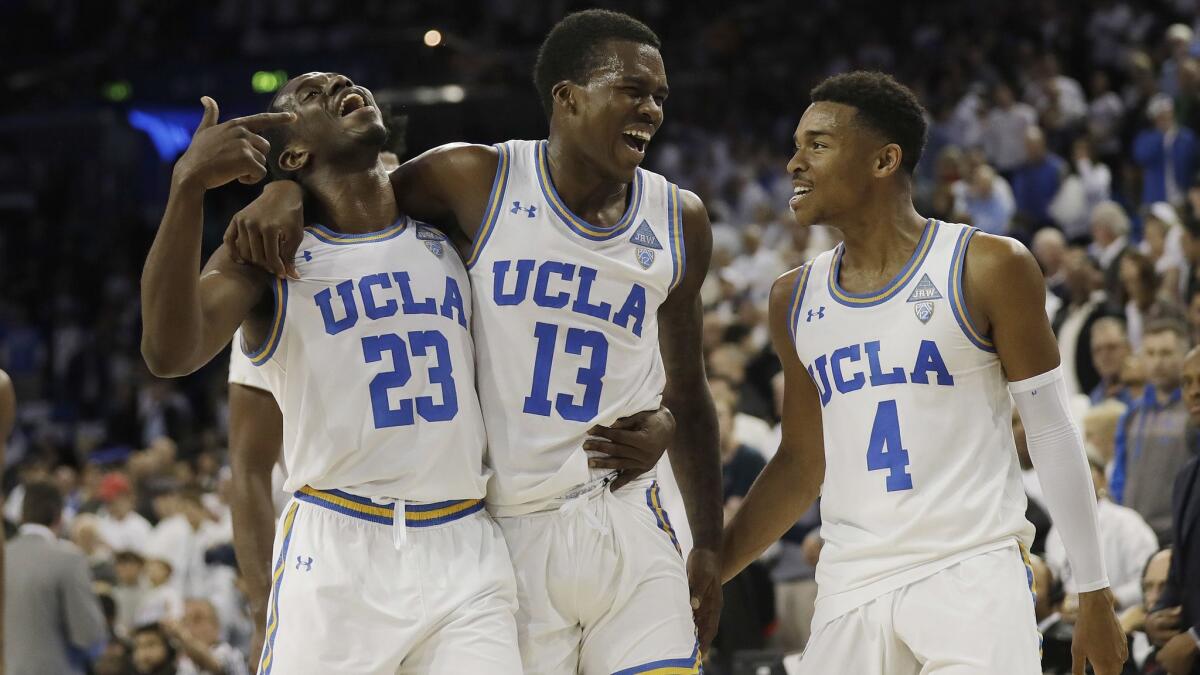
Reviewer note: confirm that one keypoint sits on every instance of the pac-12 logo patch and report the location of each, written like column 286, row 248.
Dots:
column 924, row 295
column 645, row 257
column 435, row 247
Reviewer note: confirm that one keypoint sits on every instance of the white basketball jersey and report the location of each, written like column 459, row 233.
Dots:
column 920, row 465
column 566, row 323
column 370, row 358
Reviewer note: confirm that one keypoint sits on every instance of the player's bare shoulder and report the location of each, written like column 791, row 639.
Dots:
column 999, row 271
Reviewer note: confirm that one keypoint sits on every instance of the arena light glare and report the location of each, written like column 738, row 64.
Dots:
column 267, row 81
column 433, row 37
column 117, row 91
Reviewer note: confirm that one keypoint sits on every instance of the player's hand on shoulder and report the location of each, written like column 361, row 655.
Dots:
column 1098, row 639
column 231, row 150
column 267, row 232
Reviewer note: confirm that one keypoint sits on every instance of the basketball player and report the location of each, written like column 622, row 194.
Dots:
column 900, row 349
column 582, row 266
column 385, row 560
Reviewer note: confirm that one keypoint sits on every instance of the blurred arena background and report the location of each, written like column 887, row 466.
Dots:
column 1068, row 124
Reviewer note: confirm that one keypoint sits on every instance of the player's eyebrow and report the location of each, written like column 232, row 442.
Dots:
column 643, row 81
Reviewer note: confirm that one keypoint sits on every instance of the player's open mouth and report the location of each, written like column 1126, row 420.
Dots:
column 350, row 103
column 799, row 192
column 636, row 139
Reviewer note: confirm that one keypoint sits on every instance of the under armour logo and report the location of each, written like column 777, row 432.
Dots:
column 306, row 564
column 530, row 211
column 820, row 313
column 306, row 257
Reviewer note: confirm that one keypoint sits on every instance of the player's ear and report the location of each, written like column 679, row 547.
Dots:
column 564, row 95
column 887, row 161
column 293, row 158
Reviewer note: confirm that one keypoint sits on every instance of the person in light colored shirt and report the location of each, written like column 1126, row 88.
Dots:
column 122, row 528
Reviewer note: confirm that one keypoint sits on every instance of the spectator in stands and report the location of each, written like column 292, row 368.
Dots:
column 1110, row 241
column 1100, row 424
column 1105, row 111
column 1175, row 623
column 1056, row 631
column 129, row 591
column 85, row 533
column 1166, row 153
column 1088, row 183
column 985, row 202
column 1075, row 320
column 162, row 600
column 1110, row 348
column 1036, row 182
column 122, row 528
column 1145, row 304
column 1126, row 542
column 1058, row 99
column 1004, row 129
column 198, row 636
column 52, row 619
column 153, row 653
column 1163, row 244
column 1133, row 620
column 1152, row 444
column 1178, row 41
column 1135, row 376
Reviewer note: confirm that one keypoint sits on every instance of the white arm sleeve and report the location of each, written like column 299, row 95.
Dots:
column 1056, row 449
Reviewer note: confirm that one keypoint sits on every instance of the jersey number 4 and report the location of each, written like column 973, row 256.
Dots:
column 420, row 343
column 590, row 376
column 886, row 450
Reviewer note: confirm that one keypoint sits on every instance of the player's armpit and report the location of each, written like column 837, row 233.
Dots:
column 792, row 479
column 1006, row 296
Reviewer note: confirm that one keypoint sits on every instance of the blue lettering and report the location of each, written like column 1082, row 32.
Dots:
column 452, row 301
column 930, row 359
column 364, row 289
column 583, row 303
column 855, row 383
column 426, row 306
column 635, row 308
column 500, row 271
column 564, row 270
column 324, row 301
column 827, row 393
column 878, row 379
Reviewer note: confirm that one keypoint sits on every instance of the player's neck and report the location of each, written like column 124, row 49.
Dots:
column 880, row 237
column 584, row 189
column 354, row 202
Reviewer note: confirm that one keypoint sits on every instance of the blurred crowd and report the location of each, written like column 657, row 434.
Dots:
column 1069, row 126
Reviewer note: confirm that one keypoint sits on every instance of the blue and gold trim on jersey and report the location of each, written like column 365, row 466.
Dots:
column 279, row 288
column 495, row 199
column 798, row 298
column 575, row 223
column 687, row 666
column 924, row 244
column 415, row 515
column 1032, row 584
column 654, row 501
column 675, row 235
column 264, row 665
column 328, row 236
column 958, row 304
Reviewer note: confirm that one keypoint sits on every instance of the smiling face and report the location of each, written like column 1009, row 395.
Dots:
column 334, row 119
column 612, row 117
column 832, row 164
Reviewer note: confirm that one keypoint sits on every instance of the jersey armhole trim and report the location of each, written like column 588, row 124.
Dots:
column 798, row 299
column 258, row 357
column 675, row 234
column 499, row 185
column 958, row 304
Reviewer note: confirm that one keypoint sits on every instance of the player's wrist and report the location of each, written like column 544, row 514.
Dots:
column 1101, row 598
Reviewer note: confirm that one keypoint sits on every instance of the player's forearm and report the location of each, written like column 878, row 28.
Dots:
column 696, row 460
column 199, row 654
column 253, row 533
column 171, row 312
column 781, row 494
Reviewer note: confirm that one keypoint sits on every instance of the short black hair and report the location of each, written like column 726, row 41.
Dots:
column 43, row 503
column 884, row 105
column 569, row 51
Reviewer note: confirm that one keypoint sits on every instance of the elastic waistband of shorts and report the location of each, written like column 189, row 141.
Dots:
column 415, row 514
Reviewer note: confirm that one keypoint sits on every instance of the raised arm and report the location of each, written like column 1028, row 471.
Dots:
column 1006, row 296
column 792, row 480
column 189, row 316
column 447, row 186
column 695, row 455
